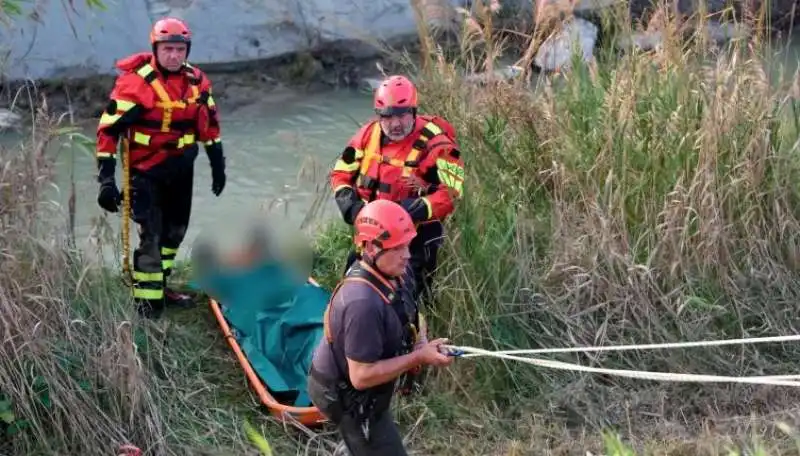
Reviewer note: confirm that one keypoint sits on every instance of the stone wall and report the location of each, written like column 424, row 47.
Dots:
column 65, row 43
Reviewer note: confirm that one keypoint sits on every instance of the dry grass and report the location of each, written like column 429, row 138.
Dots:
column 647, row 198
column 80, row 374
column 650, row 198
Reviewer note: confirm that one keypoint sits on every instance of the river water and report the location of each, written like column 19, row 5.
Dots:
column 279, row 150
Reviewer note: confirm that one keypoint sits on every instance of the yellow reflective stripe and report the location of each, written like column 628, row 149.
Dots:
column 141, row 138
column 166, row 119
column 148, row 276
column 109, row 119
column 164, row 96
column 428, row 205
column 100, row 154
column 407, row 170
column 211, row 102
column 348, row 168
column 359, row 154
column 144, row 72
column 428, row 131
column 186, row 140
column 124, row 105
column 166, row 103
column 451, row 175
column 195, row 94
column 167, row 264
column 212, row 141
column 373, row 146
column 432, row 130
column 145, row 293
column 168, row 251
column 144, row 139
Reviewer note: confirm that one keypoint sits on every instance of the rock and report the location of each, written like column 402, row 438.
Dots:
column 506, row 73
column 644, row 41
column 9, row 119
column 587, row 6
column 88, row 41
column 370, row 83
column 722, row 32
column 556, row 51
column 442, row 16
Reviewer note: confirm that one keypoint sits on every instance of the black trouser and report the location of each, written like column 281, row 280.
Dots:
column 424, row 250
column 161, row 206
column 383, row 437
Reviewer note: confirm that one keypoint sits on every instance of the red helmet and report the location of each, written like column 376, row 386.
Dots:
column 171, row 30
column 385, row 224
column 395, row 95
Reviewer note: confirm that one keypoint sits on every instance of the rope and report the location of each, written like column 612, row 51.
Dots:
column 645, row 375
column 127, row 276
column 710, row 343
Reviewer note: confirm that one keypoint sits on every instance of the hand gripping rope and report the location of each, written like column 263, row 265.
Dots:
column 782, row 380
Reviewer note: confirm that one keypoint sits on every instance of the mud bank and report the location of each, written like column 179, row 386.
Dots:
column 236, row 85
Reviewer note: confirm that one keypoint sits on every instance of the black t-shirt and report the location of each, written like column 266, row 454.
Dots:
column 364, row 329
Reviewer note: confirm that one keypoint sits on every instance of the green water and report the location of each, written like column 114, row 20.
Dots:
column 279, row 151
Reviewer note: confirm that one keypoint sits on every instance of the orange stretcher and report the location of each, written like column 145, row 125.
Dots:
column 307, row 416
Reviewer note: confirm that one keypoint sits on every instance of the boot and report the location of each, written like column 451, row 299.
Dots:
column 174, row 298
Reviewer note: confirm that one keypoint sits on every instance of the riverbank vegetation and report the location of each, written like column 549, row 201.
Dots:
column 643, row 198
column 639, row 198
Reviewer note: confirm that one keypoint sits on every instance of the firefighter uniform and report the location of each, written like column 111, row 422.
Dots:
column 423, row 172
column 162, row 115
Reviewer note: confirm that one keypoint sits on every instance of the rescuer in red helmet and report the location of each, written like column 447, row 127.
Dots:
column 163, row 107
column 370, row 338
column 411, row 159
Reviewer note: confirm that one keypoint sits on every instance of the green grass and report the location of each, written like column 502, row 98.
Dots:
column 649, row 198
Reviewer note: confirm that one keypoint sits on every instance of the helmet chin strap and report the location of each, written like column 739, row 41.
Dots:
column 373, row 261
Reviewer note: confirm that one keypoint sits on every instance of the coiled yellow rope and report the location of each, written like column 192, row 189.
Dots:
column 127, row 276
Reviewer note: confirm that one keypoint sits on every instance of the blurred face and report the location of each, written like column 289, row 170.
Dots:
column 392, row 262
column 171, row 55
column 398, row 126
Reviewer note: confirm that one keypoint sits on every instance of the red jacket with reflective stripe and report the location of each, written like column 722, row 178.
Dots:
column 174, row 112
column 428, row 158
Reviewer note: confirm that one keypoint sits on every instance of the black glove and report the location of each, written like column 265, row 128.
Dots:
column 217, row 161
column 416, row 208
column 218, row 179
column 349, row 204
column 109, row 197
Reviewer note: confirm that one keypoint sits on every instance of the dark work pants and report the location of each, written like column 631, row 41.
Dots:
column 424, row 251
column 384, row 436
column 161, row 206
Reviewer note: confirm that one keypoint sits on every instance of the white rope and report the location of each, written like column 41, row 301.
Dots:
column 780, row 380
column 646, row 375
column 708, row 343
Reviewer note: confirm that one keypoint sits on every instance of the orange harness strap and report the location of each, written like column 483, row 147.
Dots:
column 363, row 273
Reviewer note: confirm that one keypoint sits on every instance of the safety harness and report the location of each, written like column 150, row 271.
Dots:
column 186, row 126
column 362, row 404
